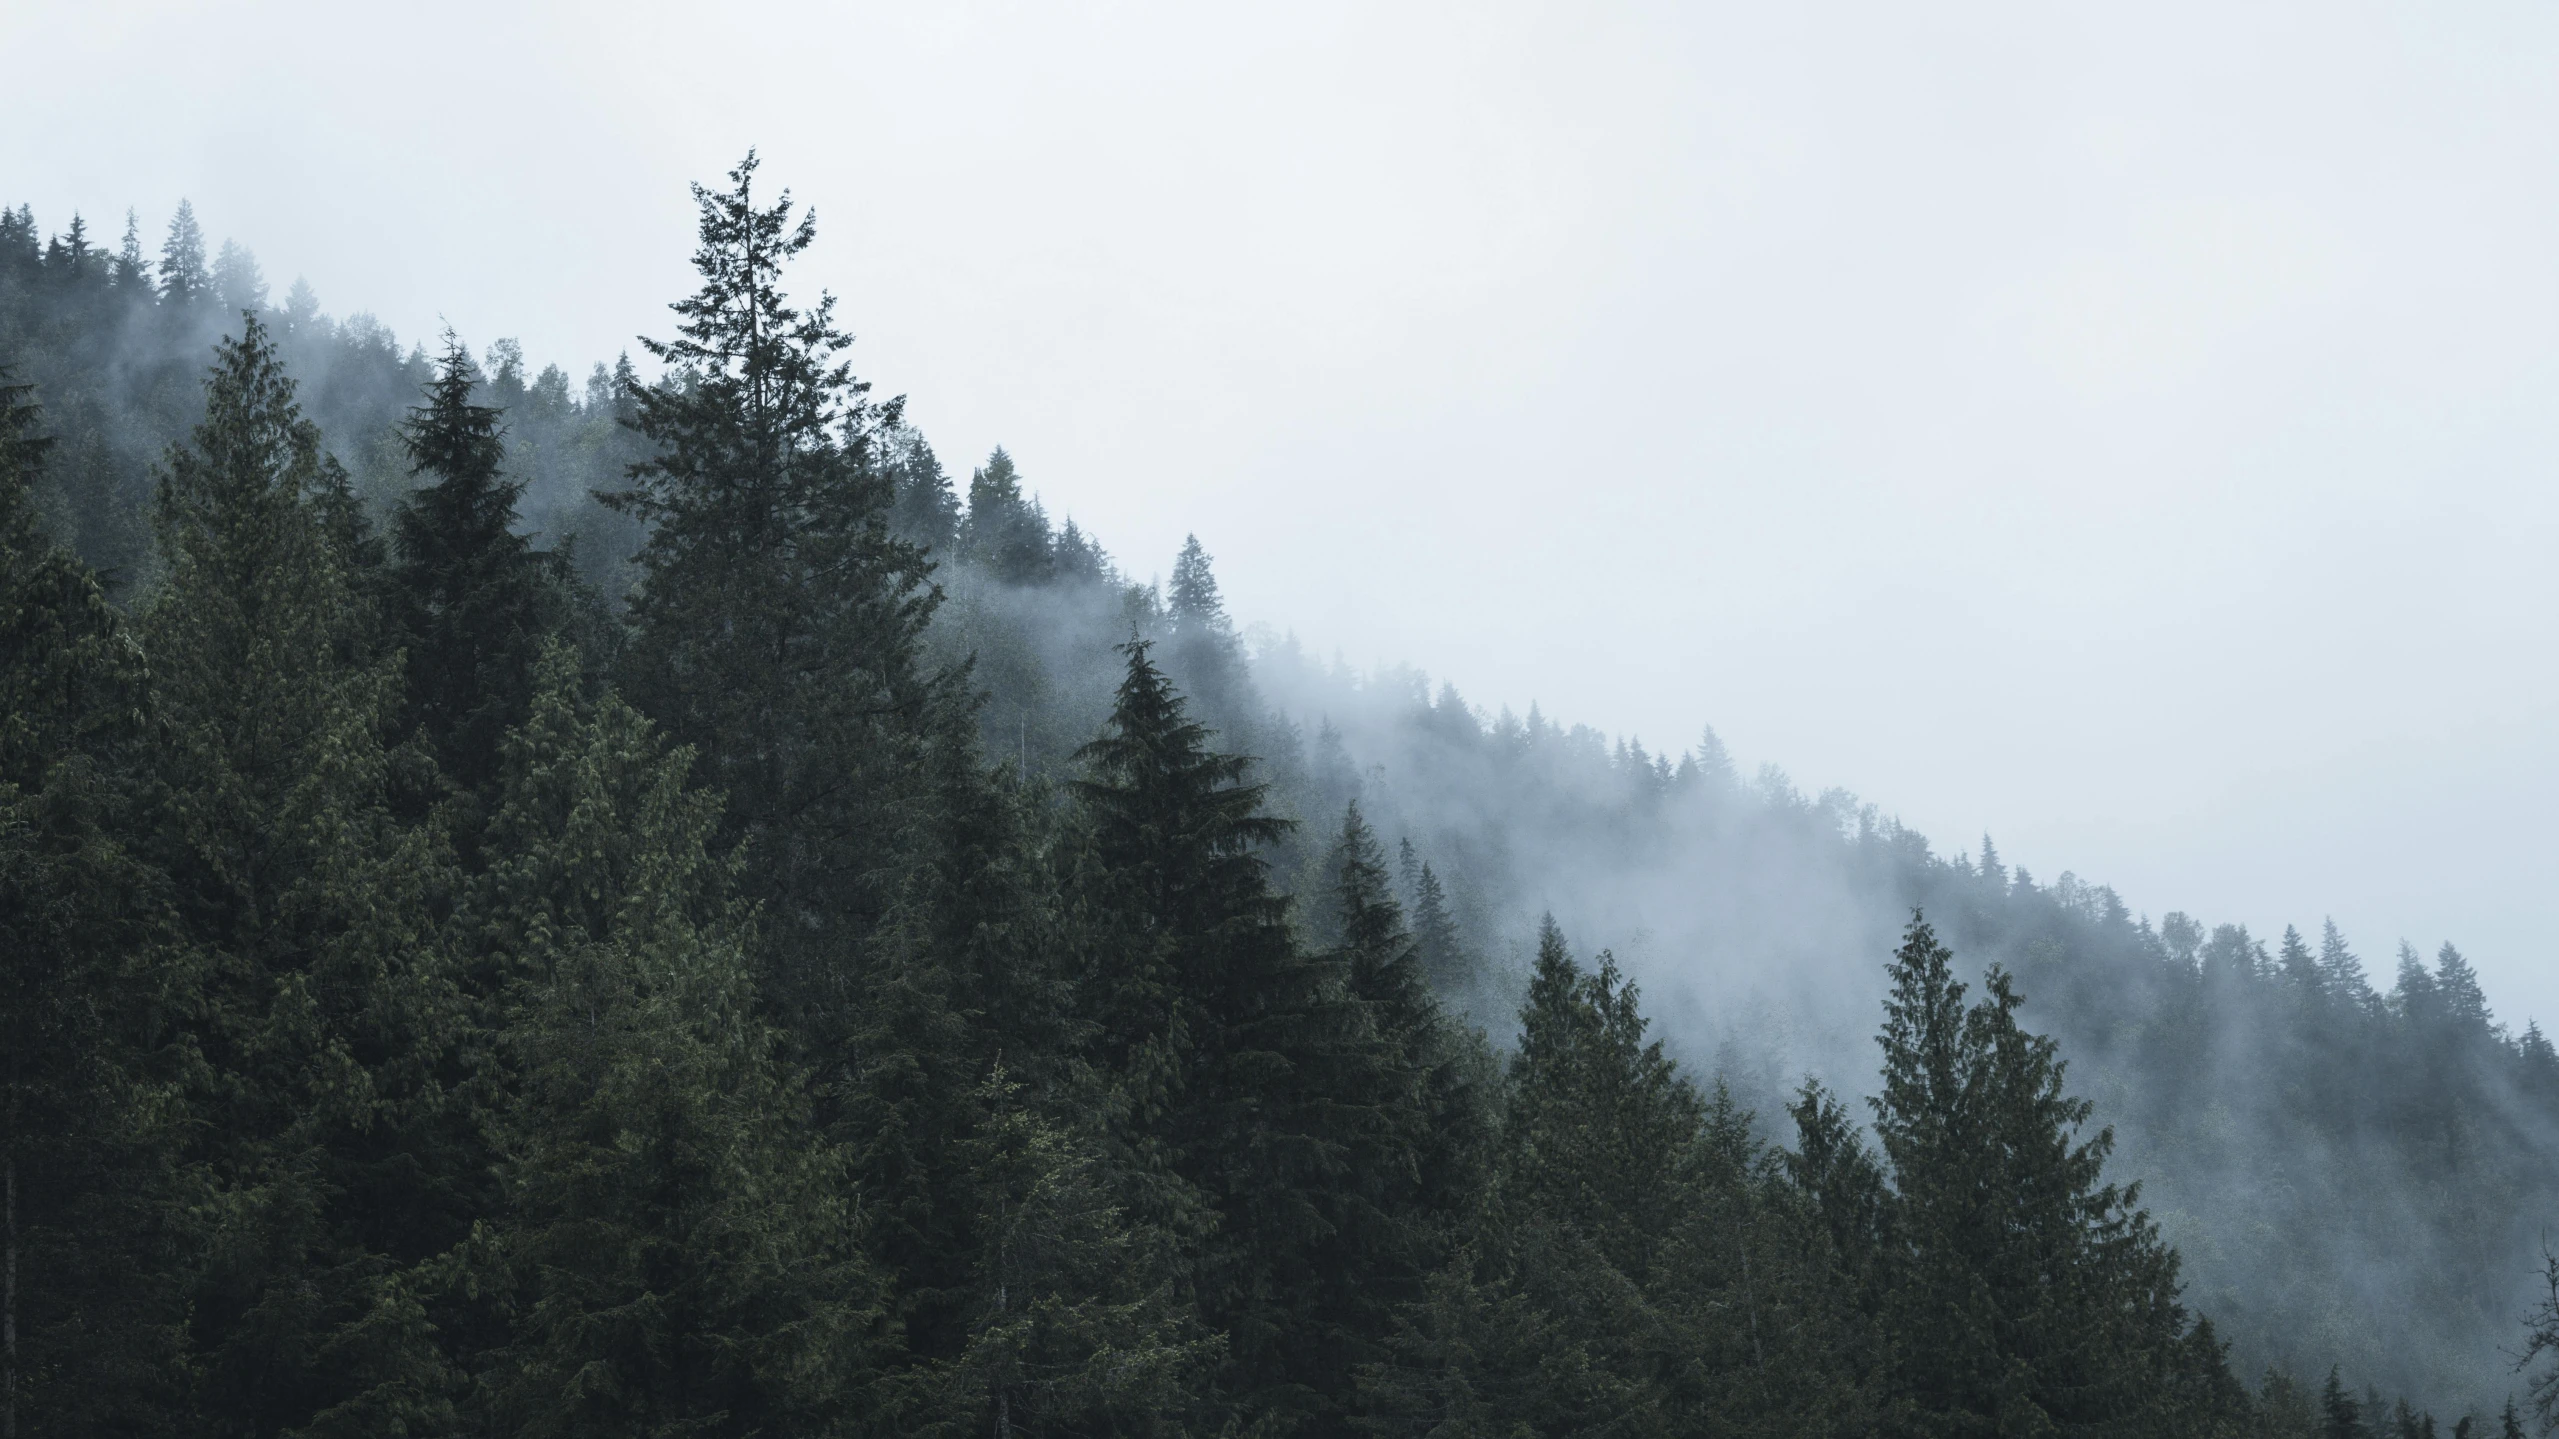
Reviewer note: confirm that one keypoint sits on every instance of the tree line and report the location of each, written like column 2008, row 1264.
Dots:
column 456, row 985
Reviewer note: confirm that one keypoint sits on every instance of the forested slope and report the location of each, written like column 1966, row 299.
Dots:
column 805, row 944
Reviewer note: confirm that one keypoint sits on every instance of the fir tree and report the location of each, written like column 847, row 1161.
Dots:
column 926, row 511
column 473, row 600
column 236, row 281
column 1005, row 532
column 327, row 1131
column 1237, row 1057
column 89, row 1307
column 130, row 273
column 2023, row 1290
column 778, row 622
column 185, row 281
column 677, row 1253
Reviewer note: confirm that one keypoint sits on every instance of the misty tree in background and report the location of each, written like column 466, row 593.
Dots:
column 1005, row 532
column 184, row 279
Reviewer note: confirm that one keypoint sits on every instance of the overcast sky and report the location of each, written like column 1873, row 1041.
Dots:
column 2123, row 429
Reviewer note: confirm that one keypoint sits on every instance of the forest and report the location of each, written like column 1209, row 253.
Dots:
column 646, row 905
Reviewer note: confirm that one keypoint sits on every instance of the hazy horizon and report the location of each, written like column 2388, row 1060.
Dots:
column 2114, row 433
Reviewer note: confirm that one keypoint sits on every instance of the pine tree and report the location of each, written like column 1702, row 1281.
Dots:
column 236, row 281
column 926, row 511
column 1075, row 1325
column 1237, row 1058
column 1444, row 957
column 2338, row 966
column 778, row 623
column 89, row 1310
column 1544, row 1313
column 325, row 1018
column 1419, row 1152
column 185, row 281
column 778, row 628
column 1599, row 1127
column 1005, row 531
column 2300, row 969
column 1202, row 649
column 2023, row 1290
column 678, row 1253
column 473, row 601
column 1832, row 1167
column 130, row 273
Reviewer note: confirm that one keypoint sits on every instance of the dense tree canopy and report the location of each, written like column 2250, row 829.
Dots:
column 786, row 947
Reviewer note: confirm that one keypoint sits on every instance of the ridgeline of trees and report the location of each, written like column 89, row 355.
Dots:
column 781, row 950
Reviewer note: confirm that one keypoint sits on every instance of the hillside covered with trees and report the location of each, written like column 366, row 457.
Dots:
column 648, row 906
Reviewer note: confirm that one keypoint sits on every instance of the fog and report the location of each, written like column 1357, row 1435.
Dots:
column 2123, row 432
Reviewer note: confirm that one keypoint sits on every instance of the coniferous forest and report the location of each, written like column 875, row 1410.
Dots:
column 649, row 907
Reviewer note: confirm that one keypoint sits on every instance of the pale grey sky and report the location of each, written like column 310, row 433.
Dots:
column 2126, row 429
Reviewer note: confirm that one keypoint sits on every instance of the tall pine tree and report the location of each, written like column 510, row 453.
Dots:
column 326, row 1130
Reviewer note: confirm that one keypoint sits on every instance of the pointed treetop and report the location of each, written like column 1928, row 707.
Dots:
column 130, row 272
column 1193, row 598
column 236, row 279
column 184, row 278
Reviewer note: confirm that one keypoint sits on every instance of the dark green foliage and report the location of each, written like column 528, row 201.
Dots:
column 926, row 511
column 88, row 1309
column 472, row 601
column 321, row 1120
column 676, row 1253
column 408, row 1033
column 2025, row 1293
column 1233, row 1051
column 1006, row 532
column 776, row 626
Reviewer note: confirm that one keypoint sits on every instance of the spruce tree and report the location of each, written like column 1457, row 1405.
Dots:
column 1237, row 1057
column 1005, row 532
column 326, row 1132
column 778, row 622
column 778, row 629
column 90, row 1311
column 926, row 511
column 185, row 280
column 677, row 1252
column 1418, row 1148
column 473, row 601
column 2024, row 1292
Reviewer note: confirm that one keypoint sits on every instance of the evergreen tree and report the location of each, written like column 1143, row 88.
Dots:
column 678, row 1254
column 1238, row 1059
column 1005, row 530
column 1203, row 649
column 325, row 1127
column 1074, row 1323
column 778, row 621
column 1443, row 953
column 2300, row 969
column 1419, row 1156
column 130, row 273
column 926, row 511
column 89, row 1312
column 185, row 281
column 2023, row 1291
column 473, row 600
column 778, row 628
column 236, row 281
